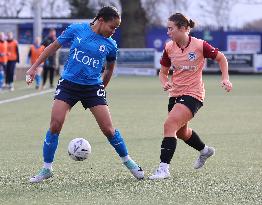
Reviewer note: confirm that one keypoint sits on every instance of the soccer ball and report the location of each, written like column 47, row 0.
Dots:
column 79, row 149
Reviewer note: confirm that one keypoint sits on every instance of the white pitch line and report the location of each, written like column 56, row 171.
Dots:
column 7, row 91
column 25, row 96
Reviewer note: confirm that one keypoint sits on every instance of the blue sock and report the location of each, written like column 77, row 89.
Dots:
column 38, row 80
column 50, row 145
column 1, row 78
column 118, row 143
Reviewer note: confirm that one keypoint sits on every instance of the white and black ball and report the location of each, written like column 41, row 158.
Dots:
column 79, row 149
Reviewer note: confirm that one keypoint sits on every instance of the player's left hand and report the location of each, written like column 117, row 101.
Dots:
column 227, row 85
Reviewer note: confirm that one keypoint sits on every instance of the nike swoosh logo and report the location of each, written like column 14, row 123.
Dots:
column 166, row 149
column 47, row 143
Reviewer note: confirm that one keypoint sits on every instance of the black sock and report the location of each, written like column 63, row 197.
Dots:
column 168, row 148
column 195, row 142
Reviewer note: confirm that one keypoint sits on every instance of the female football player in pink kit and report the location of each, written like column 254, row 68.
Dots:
column 186, row 55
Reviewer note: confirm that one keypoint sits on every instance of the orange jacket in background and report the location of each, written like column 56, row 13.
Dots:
column 12, row 50
column 3, row 52
column 35, row 52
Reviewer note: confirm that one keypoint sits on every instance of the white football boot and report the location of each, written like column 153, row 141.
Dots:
column 135, row 169
column 162, row 172
column 42, row 175
column 203, row 157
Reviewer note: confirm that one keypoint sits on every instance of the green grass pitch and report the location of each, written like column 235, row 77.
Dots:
column 231, row 122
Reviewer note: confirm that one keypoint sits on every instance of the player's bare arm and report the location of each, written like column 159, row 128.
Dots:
column 52, row 48
column 109, row 69
column 163, row 77
column 223, row 64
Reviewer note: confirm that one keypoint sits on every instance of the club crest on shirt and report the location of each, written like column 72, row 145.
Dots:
column 102, row 48
column 191, row 56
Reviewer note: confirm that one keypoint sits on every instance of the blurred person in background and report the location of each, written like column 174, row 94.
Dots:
column 186, row 55
column 3, row 58
column 35, row 51
column 50, row 62
column 12, row 59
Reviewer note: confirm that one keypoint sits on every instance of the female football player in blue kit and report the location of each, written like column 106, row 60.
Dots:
column 91, row 46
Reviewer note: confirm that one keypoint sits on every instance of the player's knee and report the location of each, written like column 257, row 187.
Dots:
column 170, row 128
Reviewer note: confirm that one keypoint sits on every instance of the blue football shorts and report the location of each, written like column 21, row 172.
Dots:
column 88, row 95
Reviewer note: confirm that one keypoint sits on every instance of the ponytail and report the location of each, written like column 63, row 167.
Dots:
column 191, row 23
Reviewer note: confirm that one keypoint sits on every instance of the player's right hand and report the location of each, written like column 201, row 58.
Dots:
column 167, row 86
column 30, row 76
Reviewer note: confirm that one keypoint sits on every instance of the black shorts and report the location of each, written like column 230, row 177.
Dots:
column 88, row 95
column 192, row 103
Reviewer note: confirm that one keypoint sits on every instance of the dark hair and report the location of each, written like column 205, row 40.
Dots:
column 108, row 13
column 180, row 20
column 52, row 29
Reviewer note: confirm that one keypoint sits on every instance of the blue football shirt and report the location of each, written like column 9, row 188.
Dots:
column 88, row 52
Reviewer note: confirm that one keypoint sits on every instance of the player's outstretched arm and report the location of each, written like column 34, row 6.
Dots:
column 223, row 64
column 109, row 69
column 52, row 48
